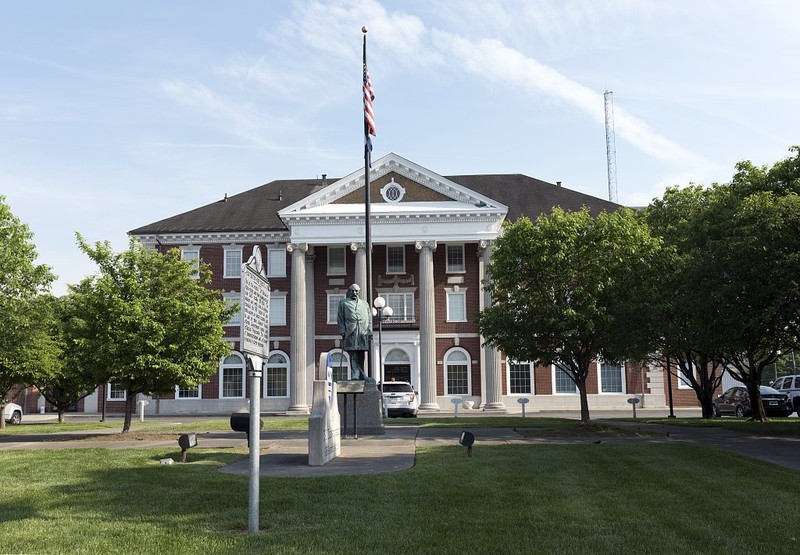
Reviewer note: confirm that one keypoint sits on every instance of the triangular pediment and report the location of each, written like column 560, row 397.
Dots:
column 406, row 201
column 418, row 185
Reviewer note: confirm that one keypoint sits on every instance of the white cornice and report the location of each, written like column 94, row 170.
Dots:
column 215, row 237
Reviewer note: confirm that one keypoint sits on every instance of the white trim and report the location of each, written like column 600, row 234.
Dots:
column 389, row 271
column 448, row 269
column 271, row 272
column 332, row 316
column 109, row 386
column 468, row 364
column 279, row 296
column 336, row 272
column 236, row 266
column 623, row 379
column 229, row 298
column 553, row 374
column 531, row 375
column 223, row 367
column 194, row 260
column 460, row 292
column 198, row 397
column 287, row 367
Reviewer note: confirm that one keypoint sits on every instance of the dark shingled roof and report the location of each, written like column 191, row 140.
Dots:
column 257, row 209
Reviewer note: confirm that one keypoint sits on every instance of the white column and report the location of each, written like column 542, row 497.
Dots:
column 492, row 374
column 360, row 248
column 427, row 326
column 297, row 329
column 311, row 355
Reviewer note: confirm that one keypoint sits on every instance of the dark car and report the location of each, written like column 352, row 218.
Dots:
column 736, row 402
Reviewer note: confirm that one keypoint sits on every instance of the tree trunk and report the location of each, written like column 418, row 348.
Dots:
column 707, row 404
column 130, row 402
column 584, row 400
column 60, row 416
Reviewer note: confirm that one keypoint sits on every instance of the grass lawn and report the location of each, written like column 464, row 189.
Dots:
column 586, row 498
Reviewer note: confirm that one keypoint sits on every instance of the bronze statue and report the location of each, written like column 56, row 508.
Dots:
column 355, row 327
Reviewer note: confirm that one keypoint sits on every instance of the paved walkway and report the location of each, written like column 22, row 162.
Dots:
column 285, row 453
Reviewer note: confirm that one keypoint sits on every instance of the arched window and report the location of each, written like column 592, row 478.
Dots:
column 276, row 381
column 457, row 372
column 231, row 377
column 340, row 363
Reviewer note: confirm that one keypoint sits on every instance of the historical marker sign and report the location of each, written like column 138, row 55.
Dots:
column 255, row 306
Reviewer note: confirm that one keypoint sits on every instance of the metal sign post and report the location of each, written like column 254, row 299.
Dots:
column 255, row 342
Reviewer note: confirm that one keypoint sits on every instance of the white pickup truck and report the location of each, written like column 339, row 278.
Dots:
column 790, row 385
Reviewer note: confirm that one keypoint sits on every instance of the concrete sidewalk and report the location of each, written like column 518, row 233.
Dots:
column 285, row 453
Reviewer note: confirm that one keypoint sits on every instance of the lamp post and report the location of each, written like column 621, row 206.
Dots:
column 383, row 312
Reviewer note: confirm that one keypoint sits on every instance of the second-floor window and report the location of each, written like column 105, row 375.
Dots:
column 336, row 261
column 233, row 262
column 192, row 255
column 276, row 262
column 395, row 259
column 455, row 259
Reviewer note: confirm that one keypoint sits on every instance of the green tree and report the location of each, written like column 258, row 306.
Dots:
column 570, row 287
column 731, row 299
column 757, row 293
column 24, row 344
column 65, row 381
column 683, row 305
column 146, row 322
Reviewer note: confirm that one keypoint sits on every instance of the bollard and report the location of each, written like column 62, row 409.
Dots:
column 456, row 401
column 523, row 401
column 634, row 401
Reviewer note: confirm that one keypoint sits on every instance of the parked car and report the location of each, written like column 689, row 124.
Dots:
column 13, row 413
column 736, row 402
column 400, row 399
column 790, row 385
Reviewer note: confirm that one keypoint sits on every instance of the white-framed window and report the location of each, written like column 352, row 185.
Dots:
column 456, row 372
column 456, row 304
column 520, row 377
column 231, row 377
column 395, row 259
column 612, row 378
column 340, row 363
column 233, row 262
column 455, row 259
column 234, row 299
column 402, row 304
column 683, row 381
column 115, row 392
column 333, row 307
column 188, row 392
column 276, row 379
column 191, row 254
column 562, row 383
column 277, row 308
column 276, row 262
column 337, row 261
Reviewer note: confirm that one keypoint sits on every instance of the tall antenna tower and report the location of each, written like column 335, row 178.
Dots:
column 611, row 146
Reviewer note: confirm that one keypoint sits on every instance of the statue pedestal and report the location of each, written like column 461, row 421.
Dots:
column 360, row 407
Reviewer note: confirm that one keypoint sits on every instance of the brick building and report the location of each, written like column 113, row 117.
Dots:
column 432, row 238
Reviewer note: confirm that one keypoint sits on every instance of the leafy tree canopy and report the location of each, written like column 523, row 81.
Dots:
column 24, row 347
column 568, row 288
column 146, row 321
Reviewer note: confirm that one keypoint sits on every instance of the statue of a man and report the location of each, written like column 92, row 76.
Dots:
column 355, row 327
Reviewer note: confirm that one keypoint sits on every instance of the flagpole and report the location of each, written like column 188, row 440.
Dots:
column 367, row 200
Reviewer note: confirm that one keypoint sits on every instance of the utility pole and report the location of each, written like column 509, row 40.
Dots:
column 611, row 147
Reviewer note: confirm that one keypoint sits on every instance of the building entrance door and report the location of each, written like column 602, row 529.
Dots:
column 394, row 372
column 397, row 366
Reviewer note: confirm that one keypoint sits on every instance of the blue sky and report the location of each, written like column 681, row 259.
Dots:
column 117, row 114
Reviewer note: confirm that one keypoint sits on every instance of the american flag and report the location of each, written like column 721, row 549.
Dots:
column 369, row 96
